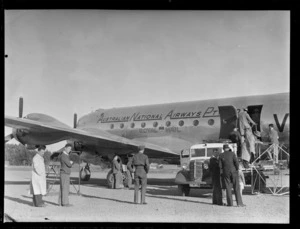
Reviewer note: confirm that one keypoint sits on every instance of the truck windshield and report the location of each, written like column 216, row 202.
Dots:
column 197, row 152
column 185, row 153
column 211, row 150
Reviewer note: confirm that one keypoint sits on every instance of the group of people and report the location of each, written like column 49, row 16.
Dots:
column 226, row 173
column 246, row 137
column 139, row 165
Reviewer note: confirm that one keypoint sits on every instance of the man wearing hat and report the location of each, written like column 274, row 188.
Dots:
column 273, row 137
column 65, row 171
column 246, row 131
column 116, row 168
column 141, row 163
column 229, row 167
column 38, row 178
column 235, row 137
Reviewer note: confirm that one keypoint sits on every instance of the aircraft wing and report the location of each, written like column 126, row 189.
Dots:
column 89, row 136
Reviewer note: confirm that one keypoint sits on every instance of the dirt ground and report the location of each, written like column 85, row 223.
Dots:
column 97, row 203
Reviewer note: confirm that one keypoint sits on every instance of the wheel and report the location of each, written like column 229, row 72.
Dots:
column 184, row 190
column 85, row 174
column 127, row 179
column 110, row 179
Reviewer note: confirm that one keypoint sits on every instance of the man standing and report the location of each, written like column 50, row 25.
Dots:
column 245, row 129
column 38, row 178
column 215, row 176
column 229, row 167
column 116, row 169
column 141, row 164
column 65, row 171
column 235, row 137
column 273, row 137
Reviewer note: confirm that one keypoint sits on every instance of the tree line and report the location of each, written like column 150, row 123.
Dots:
column 19, row 155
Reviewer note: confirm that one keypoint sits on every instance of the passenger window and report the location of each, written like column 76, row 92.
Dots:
column 195, row 122
column 168, row 123
column 122, row 125
column 111, row 126
column 155, row 124
column 181, row 123
column 143, row 124
column 132, row 125
column 211, row 122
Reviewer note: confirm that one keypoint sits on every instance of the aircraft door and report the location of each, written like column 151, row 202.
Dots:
column 254, row 112
column 228, row 117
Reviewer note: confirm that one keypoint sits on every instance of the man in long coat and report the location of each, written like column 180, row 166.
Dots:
column 38, row 178
column 229, row 167
column 116, row 169
column 216, row 179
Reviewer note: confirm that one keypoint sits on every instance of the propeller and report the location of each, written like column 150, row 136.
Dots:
column 8, row 137
column 11, row 136
column 75, row 121
column 20, row 107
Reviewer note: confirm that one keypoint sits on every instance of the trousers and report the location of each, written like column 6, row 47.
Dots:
column 229, row 179
column 37, row 200
column 140, row 178
column 63, row 198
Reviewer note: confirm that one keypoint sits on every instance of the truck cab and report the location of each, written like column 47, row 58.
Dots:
column 194, row 162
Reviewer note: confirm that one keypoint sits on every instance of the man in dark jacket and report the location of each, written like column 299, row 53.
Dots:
column 235, row 137
column 65, row 171
column 141, row 164
column 215, row 175
column 229, row 167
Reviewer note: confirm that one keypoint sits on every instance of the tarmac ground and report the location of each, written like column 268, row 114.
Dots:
column 98, row 203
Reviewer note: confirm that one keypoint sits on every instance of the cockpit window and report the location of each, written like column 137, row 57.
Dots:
column 197, row 152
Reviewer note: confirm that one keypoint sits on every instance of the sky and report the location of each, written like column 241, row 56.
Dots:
column 67, row 61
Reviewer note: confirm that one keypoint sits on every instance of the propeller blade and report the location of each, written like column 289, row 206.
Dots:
column 9, row 137
column 75, row 120
column 20, row 107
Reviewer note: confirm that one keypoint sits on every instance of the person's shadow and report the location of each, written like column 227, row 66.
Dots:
column 102, row 198
column 21, row 201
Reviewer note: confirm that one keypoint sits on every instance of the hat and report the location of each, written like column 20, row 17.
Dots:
column 141, row 147
column 226, row 146
column 41, row 147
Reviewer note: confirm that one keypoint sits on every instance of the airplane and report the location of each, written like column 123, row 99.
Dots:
column 164, row 129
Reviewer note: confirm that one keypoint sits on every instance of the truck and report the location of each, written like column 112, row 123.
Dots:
column 195, row 173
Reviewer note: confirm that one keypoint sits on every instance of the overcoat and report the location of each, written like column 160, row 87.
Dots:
column 38, row 176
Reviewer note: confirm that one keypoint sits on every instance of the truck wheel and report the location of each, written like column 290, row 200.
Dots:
column 110, row 179
column 184, row 190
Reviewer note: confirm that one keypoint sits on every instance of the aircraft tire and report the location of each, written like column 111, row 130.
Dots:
column 110, row 179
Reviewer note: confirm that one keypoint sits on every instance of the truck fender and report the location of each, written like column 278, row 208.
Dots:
column 182, row 177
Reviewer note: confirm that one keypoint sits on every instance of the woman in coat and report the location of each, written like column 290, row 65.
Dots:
column 38, row 178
